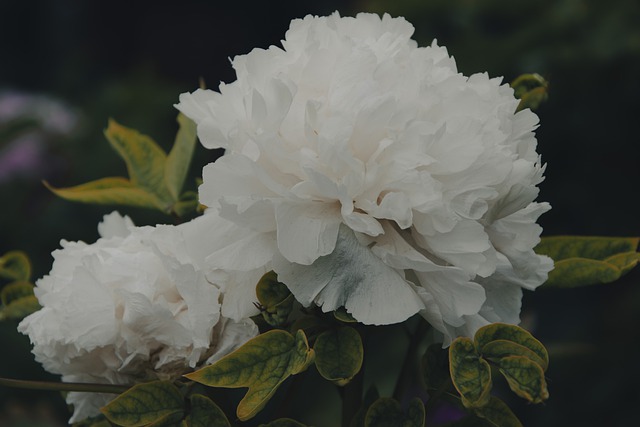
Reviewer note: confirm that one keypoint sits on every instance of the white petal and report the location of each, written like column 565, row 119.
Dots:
column 115, row 225
column 354, row 278
column 307, row 230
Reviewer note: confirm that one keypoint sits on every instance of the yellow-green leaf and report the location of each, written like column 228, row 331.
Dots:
column 513, row 333
column 387, row 412
column 283, row 422
column 581, row 261
column 531, row 89
column 470, row 374
column 145, row 160
column 261, row 364
column 19, row 308
column 275, row 299
column 144, row 404
column 187, row 204
column 496, row 350
column 15, row 290
column 339, row 354
column 169, row 420
column 109, row 191
column 15, row 265
column 205, row 413
column 525, row 378
column 344, row 316
column 498, row 414
column 179, row 159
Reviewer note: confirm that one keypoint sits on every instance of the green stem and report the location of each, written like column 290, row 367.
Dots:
column 408, row 370
column 47, row 385
column 351, row 398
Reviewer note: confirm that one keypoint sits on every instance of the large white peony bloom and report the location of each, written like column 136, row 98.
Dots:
column 135, row 305
column 370, row 174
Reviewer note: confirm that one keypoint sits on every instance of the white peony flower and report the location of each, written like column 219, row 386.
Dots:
column 135, row 305
column 370, row 174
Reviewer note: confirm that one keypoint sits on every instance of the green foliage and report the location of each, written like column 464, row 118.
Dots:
column 15, row 265
column 339, row 354
column 16, row 298
column 205, row 413
column 471, row 375
column 283, row 422
column 387, row 412
column 261, row 364
column 498, row 414
column 521, row 359
column 531, row 90
column 343, row 315
column 581, row 261
column 370, row 396
column 502, row 340
column 153, row 403
column 155, row 179
column 276, row 301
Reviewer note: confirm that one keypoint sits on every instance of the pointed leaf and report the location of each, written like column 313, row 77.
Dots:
column 513, row 333
column 19, row 308
column 470, row 374
column 109, row 191
column 283, row 422
column 339, row 354
column 261, row 364
column 525, row 378
column 144, row 158
column 15, row 265
column 179, row 159
column 145, row 403
column 581, row 261
column 205, row 413
column 387, row 412
column 498, row 414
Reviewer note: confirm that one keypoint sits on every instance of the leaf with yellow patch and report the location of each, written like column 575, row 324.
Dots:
column 179, row 158
column 144, row 404
column 470, row 374
column 515, row 334
column 15, row 265
column 525, row 378
column 261, row 364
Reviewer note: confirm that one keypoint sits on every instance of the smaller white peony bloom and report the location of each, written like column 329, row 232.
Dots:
column 369, row 173
column 133, row 306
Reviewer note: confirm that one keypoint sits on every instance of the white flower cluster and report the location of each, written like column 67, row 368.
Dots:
column 133, row 306
column 370, row 174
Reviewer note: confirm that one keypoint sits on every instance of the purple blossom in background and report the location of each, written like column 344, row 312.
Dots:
column 27, row 122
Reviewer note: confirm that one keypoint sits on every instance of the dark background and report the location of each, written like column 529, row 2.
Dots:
column 131, row 59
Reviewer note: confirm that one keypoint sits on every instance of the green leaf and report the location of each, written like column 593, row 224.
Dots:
column 370, row 396
column 261, row 364
column 525, row 378
column 179, row 159
column 109, row 191
column 15, row 290
column 435, row 367
column 169, row 420
column 498, row 414
column 339, row 354
column 387, row 412
column 470, row 374
column 18, row 300
column 145, row 160
column 496, row 350
column 145, row 403
column 283, row 422
column 205, row 413
column 275, row 299
column 15, row 265
column 187, row 204
column 344, row 316
column 513, row 333
column 531, row 89
column 20, row 308
column 581, row 261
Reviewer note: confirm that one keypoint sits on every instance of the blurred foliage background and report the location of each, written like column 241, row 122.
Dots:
column 78, row 63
